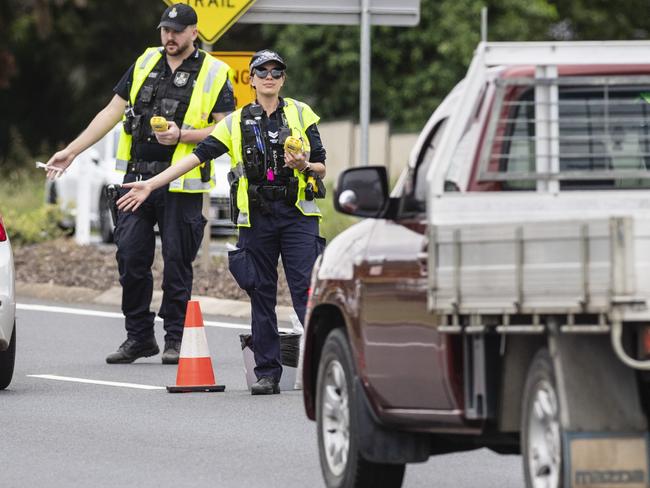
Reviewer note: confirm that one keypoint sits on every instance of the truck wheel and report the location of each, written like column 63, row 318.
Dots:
column 105, row 220
column 7, row 360
column 541, row 433
column 340, row 459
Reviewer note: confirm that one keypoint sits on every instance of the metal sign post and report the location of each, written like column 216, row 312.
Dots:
column 207, row 230
column 364, row 96
column 341, row 12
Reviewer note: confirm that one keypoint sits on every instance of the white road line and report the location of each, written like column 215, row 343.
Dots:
column 95, row 382
column 114, row 315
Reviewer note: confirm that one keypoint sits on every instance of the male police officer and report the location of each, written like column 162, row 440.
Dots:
column 186, row 86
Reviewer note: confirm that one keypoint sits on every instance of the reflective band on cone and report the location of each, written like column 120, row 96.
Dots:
column 195, row 371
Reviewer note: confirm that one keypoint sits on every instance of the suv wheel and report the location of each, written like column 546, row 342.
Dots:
column 541, row 432
column 338, row 431
column 105, row 219
column 7, row 360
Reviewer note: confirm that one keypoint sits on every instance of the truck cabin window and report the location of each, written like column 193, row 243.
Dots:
column 604, row 138
column 420, row 186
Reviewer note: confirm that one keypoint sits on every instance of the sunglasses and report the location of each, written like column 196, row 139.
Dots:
column 263, row 73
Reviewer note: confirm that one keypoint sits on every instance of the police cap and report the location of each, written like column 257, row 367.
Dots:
column 178, row 17
column 264, row 56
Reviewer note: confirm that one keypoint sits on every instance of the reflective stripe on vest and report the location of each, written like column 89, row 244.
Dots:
column 211, row 78
column 121, row 165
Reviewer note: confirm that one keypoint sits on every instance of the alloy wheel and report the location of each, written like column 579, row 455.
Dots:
column 336, row 418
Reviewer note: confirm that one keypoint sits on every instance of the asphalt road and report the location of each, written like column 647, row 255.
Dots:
column 65, row 433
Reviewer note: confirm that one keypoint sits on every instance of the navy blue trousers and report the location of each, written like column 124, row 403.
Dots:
column 286, row 232
column 181, row 226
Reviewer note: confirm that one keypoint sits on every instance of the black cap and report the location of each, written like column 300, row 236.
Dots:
column 178, row 16
column 261, row 57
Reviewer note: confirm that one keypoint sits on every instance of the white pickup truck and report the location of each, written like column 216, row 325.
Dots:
column 500, row 296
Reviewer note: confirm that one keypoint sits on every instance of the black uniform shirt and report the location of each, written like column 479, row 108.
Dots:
column 153, row 151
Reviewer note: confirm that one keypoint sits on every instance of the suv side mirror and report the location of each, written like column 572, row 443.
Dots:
column 362, row 192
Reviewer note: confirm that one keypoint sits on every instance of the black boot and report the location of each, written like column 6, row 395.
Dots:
column 266, row 385
column 130, row 350
column 171, row 352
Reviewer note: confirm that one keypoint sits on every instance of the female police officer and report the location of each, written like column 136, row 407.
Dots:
column 272, row 202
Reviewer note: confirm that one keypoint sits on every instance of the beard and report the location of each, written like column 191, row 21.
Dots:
column 174, row 49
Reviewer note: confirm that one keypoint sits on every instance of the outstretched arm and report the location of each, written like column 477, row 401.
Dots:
column 140, row 190
column 103, row 122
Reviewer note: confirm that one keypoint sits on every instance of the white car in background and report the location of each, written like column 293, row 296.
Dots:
column 98, row 162
column 7, row 310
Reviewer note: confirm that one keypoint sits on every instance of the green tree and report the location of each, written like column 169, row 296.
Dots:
column 603, row 19
column 60, row 59
column 412, row 68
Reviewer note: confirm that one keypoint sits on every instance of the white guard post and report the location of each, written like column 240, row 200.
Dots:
column 82, row 217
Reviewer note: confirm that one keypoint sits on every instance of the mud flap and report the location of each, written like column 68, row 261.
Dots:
column 605, row 440
column 597, row 460
column 381, row 445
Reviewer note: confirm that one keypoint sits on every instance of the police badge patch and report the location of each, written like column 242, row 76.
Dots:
column 181, row 78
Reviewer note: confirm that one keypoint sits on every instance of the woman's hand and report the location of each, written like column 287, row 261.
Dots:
column 139, row 192
column 295, row 160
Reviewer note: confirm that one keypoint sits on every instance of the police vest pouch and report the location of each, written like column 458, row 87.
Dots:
column 253, row 164
column 137, row 127
column 168, row 107
column 292, row 191
column 256, row 200
column 127, row 124
column 146, row 94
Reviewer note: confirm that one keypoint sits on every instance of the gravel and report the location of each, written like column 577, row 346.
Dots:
column 64, row 263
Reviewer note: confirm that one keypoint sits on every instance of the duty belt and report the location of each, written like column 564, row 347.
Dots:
column 147, row 167
column 273, row 192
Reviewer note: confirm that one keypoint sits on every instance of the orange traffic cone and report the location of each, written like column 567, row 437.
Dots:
column 194, row 364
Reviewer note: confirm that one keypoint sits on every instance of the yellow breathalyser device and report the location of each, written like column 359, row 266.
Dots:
column 158, row 123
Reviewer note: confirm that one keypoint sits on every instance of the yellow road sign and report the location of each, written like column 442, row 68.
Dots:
column 238, row 61
column 216, row 16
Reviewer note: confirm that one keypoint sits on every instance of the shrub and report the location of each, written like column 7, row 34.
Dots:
column 333, row 222
column 36, row 225
column 22, row 207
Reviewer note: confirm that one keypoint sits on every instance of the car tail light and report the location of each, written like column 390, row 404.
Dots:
column 3, row 232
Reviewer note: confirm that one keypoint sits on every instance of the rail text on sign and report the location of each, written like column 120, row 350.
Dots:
column 211, row 3
column 216, row 16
